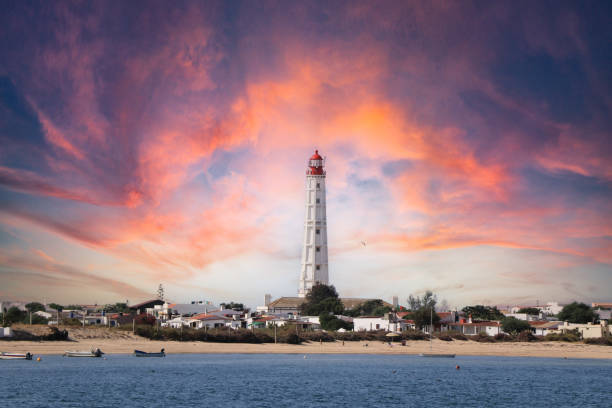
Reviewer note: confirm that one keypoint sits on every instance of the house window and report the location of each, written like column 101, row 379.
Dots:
column 318, row 231
column 318, row 185
column 318, row 249
column 318, row 201
column 318, row 267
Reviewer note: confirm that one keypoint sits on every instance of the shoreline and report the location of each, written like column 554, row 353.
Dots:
column 415, row 347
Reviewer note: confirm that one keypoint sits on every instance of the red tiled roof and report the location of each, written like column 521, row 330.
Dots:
column 205, row 316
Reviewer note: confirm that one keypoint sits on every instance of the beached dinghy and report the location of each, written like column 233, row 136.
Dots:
column 15, row 356
column 92, row 353
column 139, row 353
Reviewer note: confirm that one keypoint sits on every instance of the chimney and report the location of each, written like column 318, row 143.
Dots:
column 470, row 318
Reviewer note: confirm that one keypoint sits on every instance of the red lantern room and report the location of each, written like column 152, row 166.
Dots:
column 315, row 165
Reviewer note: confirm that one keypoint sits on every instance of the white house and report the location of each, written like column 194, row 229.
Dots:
column 46, row 315
column 6, row 332
column 551, row 308
column 371, row 323
column 526, row 317
column 588, row 330
column 177, row 322
column 472, row 328
column 208, row 321
column 543, row 327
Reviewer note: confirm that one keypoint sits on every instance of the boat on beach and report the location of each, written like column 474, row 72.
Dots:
column 15, row 356
column 91, row 353
column 139, row 353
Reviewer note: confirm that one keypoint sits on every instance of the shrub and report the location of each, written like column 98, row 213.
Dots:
column 292, row 338
column 71, row 322
column 414, row 335
column 55, row 335
column 458, row 336
column 514, row 326
column 355, row 336
column 526, row 335
column 317, row 336
column 445, row 338
column 502, row 337
column 569, row 337
column 482, row 338
column 602, row 341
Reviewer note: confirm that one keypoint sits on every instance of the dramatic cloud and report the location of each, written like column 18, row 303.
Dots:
column 151, row 142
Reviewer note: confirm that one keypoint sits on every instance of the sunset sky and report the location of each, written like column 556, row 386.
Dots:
column 468, row 143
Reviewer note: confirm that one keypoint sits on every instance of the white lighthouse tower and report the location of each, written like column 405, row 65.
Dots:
column 314, row 250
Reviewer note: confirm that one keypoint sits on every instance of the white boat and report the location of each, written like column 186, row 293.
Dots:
column 15, row 356
column 92, row 353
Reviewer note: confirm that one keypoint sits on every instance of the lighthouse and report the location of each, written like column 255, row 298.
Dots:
column 314, row 250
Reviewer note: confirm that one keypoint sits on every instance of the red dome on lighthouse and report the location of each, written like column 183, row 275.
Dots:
column 315, row 165
column 316, row 156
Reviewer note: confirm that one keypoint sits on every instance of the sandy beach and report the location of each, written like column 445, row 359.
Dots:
column 127, row 345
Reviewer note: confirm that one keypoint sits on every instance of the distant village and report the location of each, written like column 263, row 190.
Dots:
column 359, row 315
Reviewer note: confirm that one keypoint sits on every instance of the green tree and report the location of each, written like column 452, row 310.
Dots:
column 330, row 322
column 423, row 309
column 514, row 326
column 116, row 308
column 56, row 306
column 36, row 319
column 424, row 316
column 428, row 300
column 577, row 313
column 14, row 315
column 322, row 298
column 530, row 310
column 480, row 312
column 34, row 307
column 372, row 307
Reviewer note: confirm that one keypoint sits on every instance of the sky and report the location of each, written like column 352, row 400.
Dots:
column 467, row 143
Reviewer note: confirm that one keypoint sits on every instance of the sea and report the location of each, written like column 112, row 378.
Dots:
column 296, row 380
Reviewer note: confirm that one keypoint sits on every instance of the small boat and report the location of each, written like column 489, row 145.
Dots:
column 437, row 355
column 92, row 353
column 15, row 356
column 139, row 353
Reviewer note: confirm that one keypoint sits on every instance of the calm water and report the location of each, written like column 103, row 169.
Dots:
column 205, row 380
